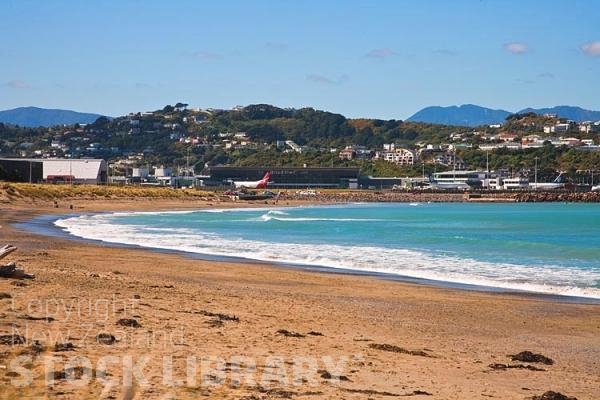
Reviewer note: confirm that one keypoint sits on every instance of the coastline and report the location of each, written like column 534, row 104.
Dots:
column 44, row 225
column 463, row 331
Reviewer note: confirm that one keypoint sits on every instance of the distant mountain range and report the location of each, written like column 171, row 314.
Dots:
column 569, row 112
column 34, row 117
column 473, row 115
column 465, row 115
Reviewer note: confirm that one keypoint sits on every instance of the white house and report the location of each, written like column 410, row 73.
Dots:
column 398, row 156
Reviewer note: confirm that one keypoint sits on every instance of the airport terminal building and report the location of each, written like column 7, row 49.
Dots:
column 284, row 177
column 94, row 171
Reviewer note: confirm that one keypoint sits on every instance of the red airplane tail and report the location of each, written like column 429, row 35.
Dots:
column 262, row 184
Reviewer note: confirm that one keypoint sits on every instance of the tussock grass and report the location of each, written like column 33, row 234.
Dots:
column 50, row 192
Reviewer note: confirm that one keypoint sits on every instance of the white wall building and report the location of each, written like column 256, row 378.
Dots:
column 140, row 172
column 89, row 170
column 163, row 171
column 64, row 170
column 398, row 156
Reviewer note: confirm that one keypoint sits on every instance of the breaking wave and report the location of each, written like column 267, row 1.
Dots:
column 406, row 262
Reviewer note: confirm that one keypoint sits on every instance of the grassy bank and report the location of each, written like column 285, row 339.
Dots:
column 19, row 191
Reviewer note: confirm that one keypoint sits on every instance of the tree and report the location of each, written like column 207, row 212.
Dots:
column 100, row 123
column 264, row 132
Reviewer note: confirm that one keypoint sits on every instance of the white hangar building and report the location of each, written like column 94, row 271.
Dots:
column 55, row 170
column 84, row 170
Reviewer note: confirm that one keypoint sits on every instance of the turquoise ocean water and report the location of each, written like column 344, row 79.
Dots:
column 545, row 247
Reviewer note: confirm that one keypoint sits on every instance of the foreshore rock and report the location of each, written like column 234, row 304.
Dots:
column 578, row 197
column 368, row 196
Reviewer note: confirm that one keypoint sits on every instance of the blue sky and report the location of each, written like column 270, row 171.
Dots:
column 378, row 58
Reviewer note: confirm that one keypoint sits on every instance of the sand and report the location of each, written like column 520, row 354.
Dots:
column 308, row 335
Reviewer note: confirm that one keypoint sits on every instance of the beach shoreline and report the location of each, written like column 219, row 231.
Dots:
column 44, row 225
column 460, row 332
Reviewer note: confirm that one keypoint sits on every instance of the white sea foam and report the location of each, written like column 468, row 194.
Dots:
column 402, row 262
column 277, row 212
column 277, row 215
column 228, row 210
column 268, row 217
column 121, row 214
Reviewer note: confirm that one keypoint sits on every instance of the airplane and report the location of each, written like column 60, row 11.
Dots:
column 447, row 186
column 555, row 184
column 262, row 184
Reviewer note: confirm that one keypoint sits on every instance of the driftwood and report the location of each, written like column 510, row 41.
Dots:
column 6, row 250
column 11, row 270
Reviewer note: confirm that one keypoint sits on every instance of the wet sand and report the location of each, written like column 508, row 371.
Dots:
column 387, row 338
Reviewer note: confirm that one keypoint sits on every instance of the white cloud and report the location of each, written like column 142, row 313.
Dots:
column 526, row 81
column 206, row 55
column 516, row 47
column 547, row 75
column 276, row 46
column 17, row 84
column 381, row 53
column 591, row 49
column 316, row 78
column 324, row 80
column 446, row 52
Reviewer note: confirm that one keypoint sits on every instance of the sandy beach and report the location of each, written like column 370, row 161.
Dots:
column 178, row 327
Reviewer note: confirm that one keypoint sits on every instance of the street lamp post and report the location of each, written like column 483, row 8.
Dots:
column 187, row 163
column 535, row 172
column 487, row 169
column 454, row 166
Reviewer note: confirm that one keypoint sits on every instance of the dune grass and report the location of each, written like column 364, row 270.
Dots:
column 49, row 192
